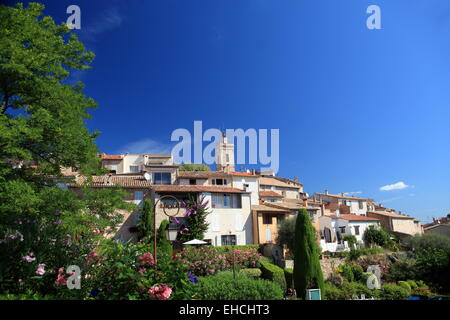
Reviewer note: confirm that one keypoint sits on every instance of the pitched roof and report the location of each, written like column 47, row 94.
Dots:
column 138, row 181
column 391, row 214
column 353, row 217
column 339, row 196
column 270, row 193
column 263, row 207
column 269, row 181
column 110, row 156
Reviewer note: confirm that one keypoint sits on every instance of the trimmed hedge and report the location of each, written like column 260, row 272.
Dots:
column 274, row 273
column 289, row 276
column 251, row 272
column 223, row 287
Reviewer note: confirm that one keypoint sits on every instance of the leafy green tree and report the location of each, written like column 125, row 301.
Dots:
column 377, row 236
column 43, row 225
column 286, row 233
column 163, row 243
column 307, row 270
column 194, row 167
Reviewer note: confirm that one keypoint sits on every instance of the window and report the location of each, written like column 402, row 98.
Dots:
column 113, row 168
column 356, row 230
column 229, row 240
column 361, row 204
column 219, row 182
column 279, row 219
column 134, row 168
column 161, row 178
column 138, row 197
column 226, row 200
column 228, row 158
column 192, row 182
column 267, row 219
column 342, row 229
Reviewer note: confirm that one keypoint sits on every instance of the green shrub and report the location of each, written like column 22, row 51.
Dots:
column 223, row 287
column 164, row 244
column 331, row 292
column 412, row 284
column 274, row 273
column 354, row 255
column 289, row 276
column 401, row 270
column 351, row 272
column 352, row 289
column 394, row 292
column 405, row 284
column 251, row 272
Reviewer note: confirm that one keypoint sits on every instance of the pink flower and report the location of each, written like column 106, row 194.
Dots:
column 29, row 258
column 146, row 259
column 62, row 278
column 41, row 269
column 161, row 292
column 142, row 270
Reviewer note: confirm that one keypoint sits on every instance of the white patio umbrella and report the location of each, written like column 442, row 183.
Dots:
column 195, row 242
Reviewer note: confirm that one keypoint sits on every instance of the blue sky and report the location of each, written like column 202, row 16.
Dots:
column 357, row 109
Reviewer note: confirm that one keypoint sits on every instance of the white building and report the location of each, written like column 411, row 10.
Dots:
column 335, row 227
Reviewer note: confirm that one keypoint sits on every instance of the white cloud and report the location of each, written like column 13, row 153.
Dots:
column 395, row 186
column 145, row 146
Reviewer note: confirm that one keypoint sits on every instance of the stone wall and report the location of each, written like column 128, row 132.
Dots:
column 330, row 264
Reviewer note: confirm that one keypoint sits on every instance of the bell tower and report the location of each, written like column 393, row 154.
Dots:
column 224, row 155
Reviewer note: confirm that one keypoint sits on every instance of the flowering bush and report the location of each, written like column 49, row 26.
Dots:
column 209, row 260
column 130, row 271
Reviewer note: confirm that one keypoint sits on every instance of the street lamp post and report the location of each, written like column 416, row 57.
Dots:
column 168, row 215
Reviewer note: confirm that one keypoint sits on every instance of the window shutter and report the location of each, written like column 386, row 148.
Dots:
column 268, row 235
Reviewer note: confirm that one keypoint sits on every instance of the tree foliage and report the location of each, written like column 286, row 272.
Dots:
column 44, row 226
column 194, row 167
column 376, row 236
column 286, row 233
column 146, row 223
column 307, row 270
column 196, row 224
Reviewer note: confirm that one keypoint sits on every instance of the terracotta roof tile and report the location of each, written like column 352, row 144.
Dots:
column 270, row 193
column 390, row 214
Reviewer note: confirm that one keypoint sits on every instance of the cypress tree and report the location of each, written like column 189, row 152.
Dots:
column 146, row 223
column 307, row 271
column 164, row 244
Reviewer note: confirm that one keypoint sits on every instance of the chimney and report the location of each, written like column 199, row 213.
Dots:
column 253, row 171
column 305, row 202
column 295, row 179
column 326, row 191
